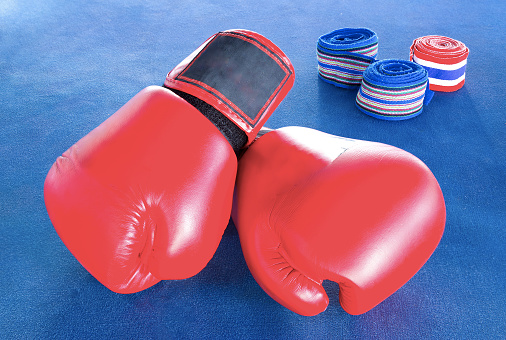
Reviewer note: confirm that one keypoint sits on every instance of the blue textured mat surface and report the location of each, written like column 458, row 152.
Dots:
column 65, row 66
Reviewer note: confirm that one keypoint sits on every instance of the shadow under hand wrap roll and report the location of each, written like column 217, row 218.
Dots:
column 344, row 54
column 445, row 60
column 393, row 89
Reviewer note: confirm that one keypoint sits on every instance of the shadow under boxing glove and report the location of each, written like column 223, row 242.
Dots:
column 147, row 195
column 310, row 207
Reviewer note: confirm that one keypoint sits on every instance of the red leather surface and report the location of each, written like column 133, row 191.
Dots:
column 311, row 207
column 146, row 195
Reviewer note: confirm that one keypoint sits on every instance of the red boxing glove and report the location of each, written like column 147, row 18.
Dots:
column 310, row 207
column 147, row 195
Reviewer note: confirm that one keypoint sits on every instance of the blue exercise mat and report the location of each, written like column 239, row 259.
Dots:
column 65, row 66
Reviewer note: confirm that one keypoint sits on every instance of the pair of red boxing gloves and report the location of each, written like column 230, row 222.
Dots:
column 147, row 195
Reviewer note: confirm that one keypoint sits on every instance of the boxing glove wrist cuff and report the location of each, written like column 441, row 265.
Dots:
column 234, row 135
column 241, row 74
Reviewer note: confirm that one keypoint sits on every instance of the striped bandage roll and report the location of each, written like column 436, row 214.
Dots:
column 344, row 54
column 393, row 89
column 445, row 60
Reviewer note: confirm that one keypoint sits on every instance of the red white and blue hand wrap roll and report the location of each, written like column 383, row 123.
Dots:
column 445, row 60
column 344, row 54
column 393, row 89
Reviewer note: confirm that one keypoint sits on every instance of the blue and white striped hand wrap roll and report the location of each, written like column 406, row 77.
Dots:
column 344, row 54
column 393, row 89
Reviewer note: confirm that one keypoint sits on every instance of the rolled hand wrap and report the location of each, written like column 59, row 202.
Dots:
column 393, row 89
column 344, row 54
column 445, row 60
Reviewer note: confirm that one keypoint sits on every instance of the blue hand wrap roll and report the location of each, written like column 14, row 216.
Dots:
column 393, row 89
column 344, row 54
